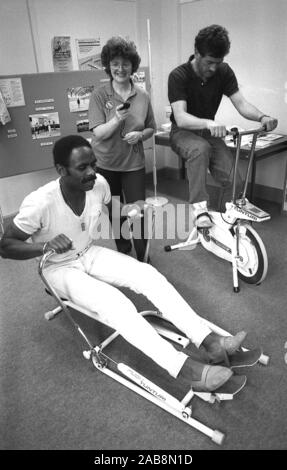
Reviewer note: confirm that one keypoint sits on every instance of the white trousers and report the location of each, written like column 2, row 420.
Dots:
column 91, row 282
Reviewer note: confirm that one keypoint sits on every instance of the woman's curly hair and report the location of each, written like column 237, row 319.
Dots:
column 212, row 40
column 117, row 46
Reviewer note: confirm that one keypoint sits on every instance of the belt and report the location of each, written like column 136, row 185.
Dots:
column 81, row 253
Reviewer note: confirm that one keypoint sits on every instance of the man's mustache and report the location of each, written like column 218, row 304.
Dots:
column 89, row 178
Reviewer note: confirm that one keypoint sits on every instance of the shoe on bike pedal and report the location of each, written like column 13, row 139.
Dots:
column 203, row 377
column 218, row 348
column 203, row 220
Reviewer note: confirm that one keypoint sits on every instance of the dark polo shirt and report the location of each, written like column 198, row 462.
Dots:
column 202, row 99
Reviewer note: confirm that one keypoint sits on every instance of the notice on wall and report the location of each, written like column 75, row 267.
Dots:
column 89, row 54
column 12, row 92
column 4, row 113
column 62, row 55
column 140, row 79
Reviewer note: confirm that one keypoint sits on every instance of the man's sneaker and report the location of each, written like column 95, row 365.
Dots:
column 203, row 220
column 203, row 377
column 217, row 349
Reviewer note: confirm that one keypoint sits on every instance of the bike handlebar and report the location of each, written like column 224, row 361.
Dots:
column 235, row 132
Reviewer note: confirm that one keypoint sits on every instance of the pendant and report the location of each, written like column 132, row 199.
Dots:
column 83, row 226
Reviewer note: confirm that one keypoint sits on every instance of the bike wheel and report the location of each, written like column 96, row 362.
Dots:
column 253, row 263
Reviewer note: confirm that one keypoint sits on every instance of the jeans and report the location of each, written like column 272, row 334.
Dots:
column 201, row 152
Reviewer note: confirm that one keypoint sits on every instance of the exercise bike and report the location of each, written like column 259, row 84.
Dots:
column 231, row 235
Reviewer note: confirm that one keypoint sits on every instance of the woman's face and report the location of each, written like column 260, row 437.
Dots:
column 121, row 69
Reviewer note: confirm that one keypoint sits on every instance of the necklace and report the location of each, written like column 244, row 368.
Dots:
column 75, row 211
column 124, row 92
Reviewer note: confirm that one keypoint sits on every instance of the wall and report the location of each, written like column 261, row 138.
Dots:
column 79, row 19
column 16, row 47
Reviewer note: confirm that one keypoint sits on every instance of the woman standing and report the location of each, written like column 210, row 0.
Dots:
column 119, row 131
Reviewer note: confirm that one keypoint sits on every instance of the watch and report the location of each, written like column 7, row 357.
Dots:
column 263, row 115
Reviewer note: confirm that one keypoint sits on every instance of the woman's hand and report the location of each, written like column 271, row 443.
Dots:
column 133, row 137
column 121, row 114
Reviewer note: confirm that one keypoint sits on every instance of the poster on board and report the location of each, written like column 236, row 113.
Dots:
column 12, row 92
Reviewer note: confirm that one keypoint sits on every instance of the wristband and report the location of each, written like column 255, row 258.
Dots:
column 263, row 115
column 44, row 247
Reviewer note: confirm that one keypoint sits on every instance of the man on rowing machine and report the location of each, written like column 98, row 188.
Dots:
column 62, row 216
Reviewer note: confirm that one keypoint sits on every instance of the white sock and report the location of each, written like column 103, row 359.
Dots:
column 199, row 207
column 175, row 368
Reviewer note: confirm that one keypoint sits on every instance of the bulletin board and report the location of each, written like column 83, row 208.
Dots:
column 43, row 108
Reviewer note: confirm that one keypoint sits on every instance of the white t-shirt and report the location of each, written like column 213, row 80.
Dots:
column 44, row 214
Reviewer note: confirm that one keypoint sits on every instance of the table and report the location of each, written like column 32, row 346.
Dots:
column 273, row 148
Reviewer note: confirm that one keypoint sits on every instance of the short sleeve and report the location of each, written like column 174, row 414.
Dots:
column 230, row 84
column 176, row 87
column 150, row 120
column 103, row 186
column 96, row 111
column 107, row 192
column 30, row 216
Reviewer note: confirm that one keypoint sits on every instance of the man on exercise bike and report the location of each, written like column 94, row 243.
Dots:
column 62, row 216
column 195, row 90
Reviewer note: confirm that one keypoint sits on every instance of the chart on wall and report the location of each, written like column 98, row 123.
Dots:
column 42, row 108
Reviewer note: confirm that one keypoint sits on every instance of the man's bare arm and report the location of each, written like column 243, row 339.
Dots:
column 188, row 121
column 249, row 111
column 14, row 244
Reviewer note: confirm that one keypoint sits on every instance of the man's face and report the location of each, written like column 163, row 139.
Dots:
column 81, row 172
column 207, row 65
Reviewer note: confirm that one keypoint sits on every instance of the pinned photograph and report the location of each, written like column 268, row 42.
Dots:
column 44, row 125
column 79, row 98
column 83, row 125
